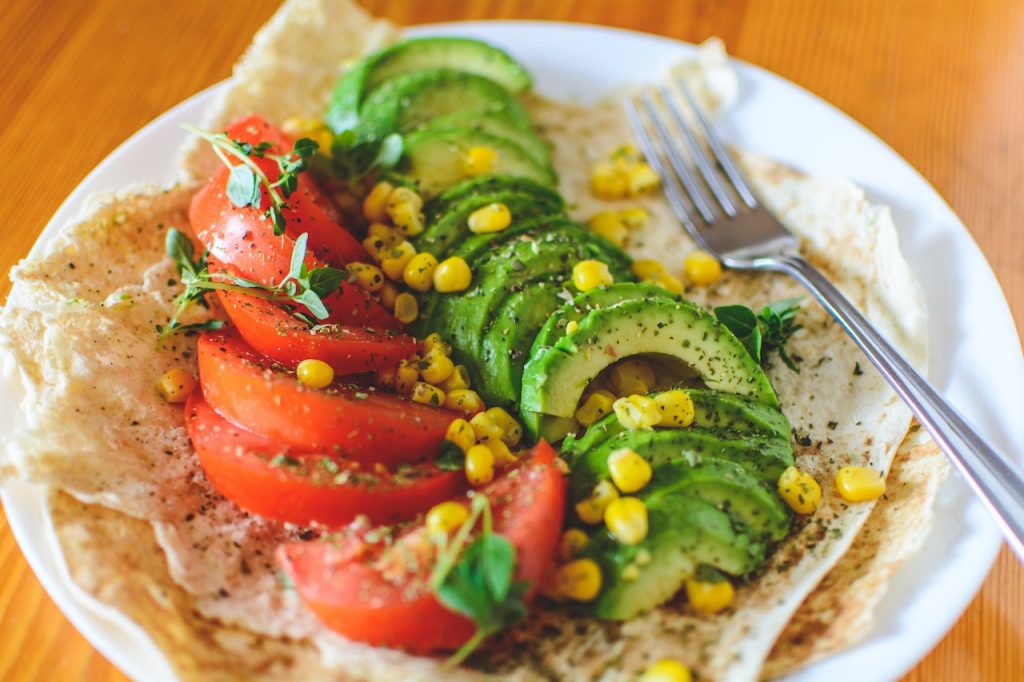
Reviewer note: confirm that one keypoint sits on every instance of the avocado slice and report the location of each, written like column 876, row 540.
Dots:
column 464, row 54
column 684, row 533
column 555, row 378
column 433, row 158
column 764, row 457
column 488, row 184
column 503, row 125
column 723, row 412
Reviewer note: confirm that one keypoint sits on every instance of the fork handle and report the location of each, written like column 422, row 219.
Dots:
column 992, row 476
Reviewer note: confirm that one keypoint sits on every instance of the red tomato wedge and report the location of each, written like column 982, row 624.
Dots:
column 279, row 482
column 356, row 422
column 380, row 595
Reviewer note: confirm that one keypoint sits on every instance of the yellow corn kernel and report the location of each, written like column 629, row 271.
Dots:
column 427, row 394
column 405, row 209
column 393, row 259
column 668, row 282
column 376, row 202
column 406, row 375
column 313, row 128
column 367, row 276
column 462, row 434
column 464, row 400
column 647, row 268
column 702, row 268
column 579, row 580
column 571, row 542
column 640, row 178
column 436, row 366
column 176, row 385
column 632, row 376
column 635, row 217
column 588, row 274
column 315, row 373
column 446, row 517
column 374, row 246
column 490, row 218
column 626, row 518
column 606, row 182
column 637, row 412
column 389, row 235
column 435, row 341
column 512, row 432
column 591, row 510
column 502, row 454
column 643, row 557
column 629, row 471
column 419, row 272
column 631, row 573
column 459, row 379
column 859, row 484
column 485, row 427
column 709, row 597
column 800, row 491
column 676, row 407
column 452, row 274
column 406, row 307
column 480, row 161
column 571, row 327
column 389, row 293
column 609, row 224
column 479, row 465
column 596, row 405
column 666, row 670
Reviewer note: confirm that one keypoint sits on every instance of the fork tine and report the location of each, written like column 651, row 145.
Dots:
column 686, row 178
column 700, row 158
column 739, row 183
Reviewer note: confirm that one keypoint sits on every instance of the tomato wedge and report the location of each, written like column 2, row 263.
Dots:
column 380, row 595
column 357, row 422
column 279, row 482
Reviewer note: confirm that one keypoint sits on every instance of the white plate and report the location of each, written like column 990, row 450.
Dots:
column 976, row 357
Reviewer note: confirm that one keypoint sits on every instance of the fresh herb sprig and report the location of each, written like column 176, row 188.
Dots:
column 300, row 286
column 354, row 157
column 478, row 580
column 766, row 332
column 246, row 181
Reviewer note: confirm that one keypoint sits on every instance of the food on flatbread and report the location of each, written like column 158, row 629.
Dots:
column 219, row 556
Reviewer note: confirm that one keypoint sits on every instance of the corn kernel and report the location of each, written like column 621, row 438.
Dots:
column 502, row 454
column 374, row 246
column 800, row 491
column 702, row 268
column 666, row 670
column 459, row 379
column 406, row 375
column 626, row 518
column 676, row 407
column 571, row 542
column 419, row 272
column 631, row 573
column 375, row 203
column 479, row 465
column 629, row 471
column 643, row 557
column 579, row 580
column 406, row 307
column 647, row 268
column 637, row 412
column 393, row 259
column 709, row 597
column 589, row 274
column 606, row 182
column 479, row 161
column 176, row 385
column 313, row 128
column 427, row 394
column 635, row 217
column 632, row 376
column 571, row 327
column 591, row 510
column 485, row 427
column 446, row 517
column 510, row 428
column 404, row 207
column 596, row 405
column 859, row 484
column 491, row 218
column 367, row 276
column 609, row 224
column 389, row 293
column 387, row 234
column 464, row 400
column 436, row 366
column 641, row 178
column 435, row 341
column 315, row 373
column 462, row 434
column 452, row 274
column 669, row 283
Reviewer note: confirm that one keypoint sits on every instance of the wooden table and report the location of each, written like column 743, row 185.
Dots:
column 938, row 80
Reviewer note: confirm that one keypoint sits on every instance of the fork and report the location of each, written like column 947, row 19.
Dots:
column 713, row 200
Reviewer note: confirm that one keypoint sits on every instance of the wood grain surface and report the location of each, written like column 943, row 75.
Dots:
column 938, row 80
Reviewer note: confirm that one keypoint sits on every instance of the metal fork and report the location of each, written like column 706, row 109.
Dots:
column 714, row 201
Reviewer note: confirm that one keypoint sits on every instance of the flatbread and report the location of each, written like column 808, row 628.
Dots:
column 82, row 342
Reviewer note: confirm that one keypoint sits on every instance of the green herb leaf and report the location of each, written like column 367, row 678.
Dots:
column 451, row 457
column 324, row 281
column 709, row 574
column 244, row 187
column 764, row 333
column 739, row 319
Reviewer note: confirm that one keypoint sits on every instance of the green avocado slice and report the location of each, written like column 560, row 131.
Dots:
column 488, row 184
column 503, row 125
